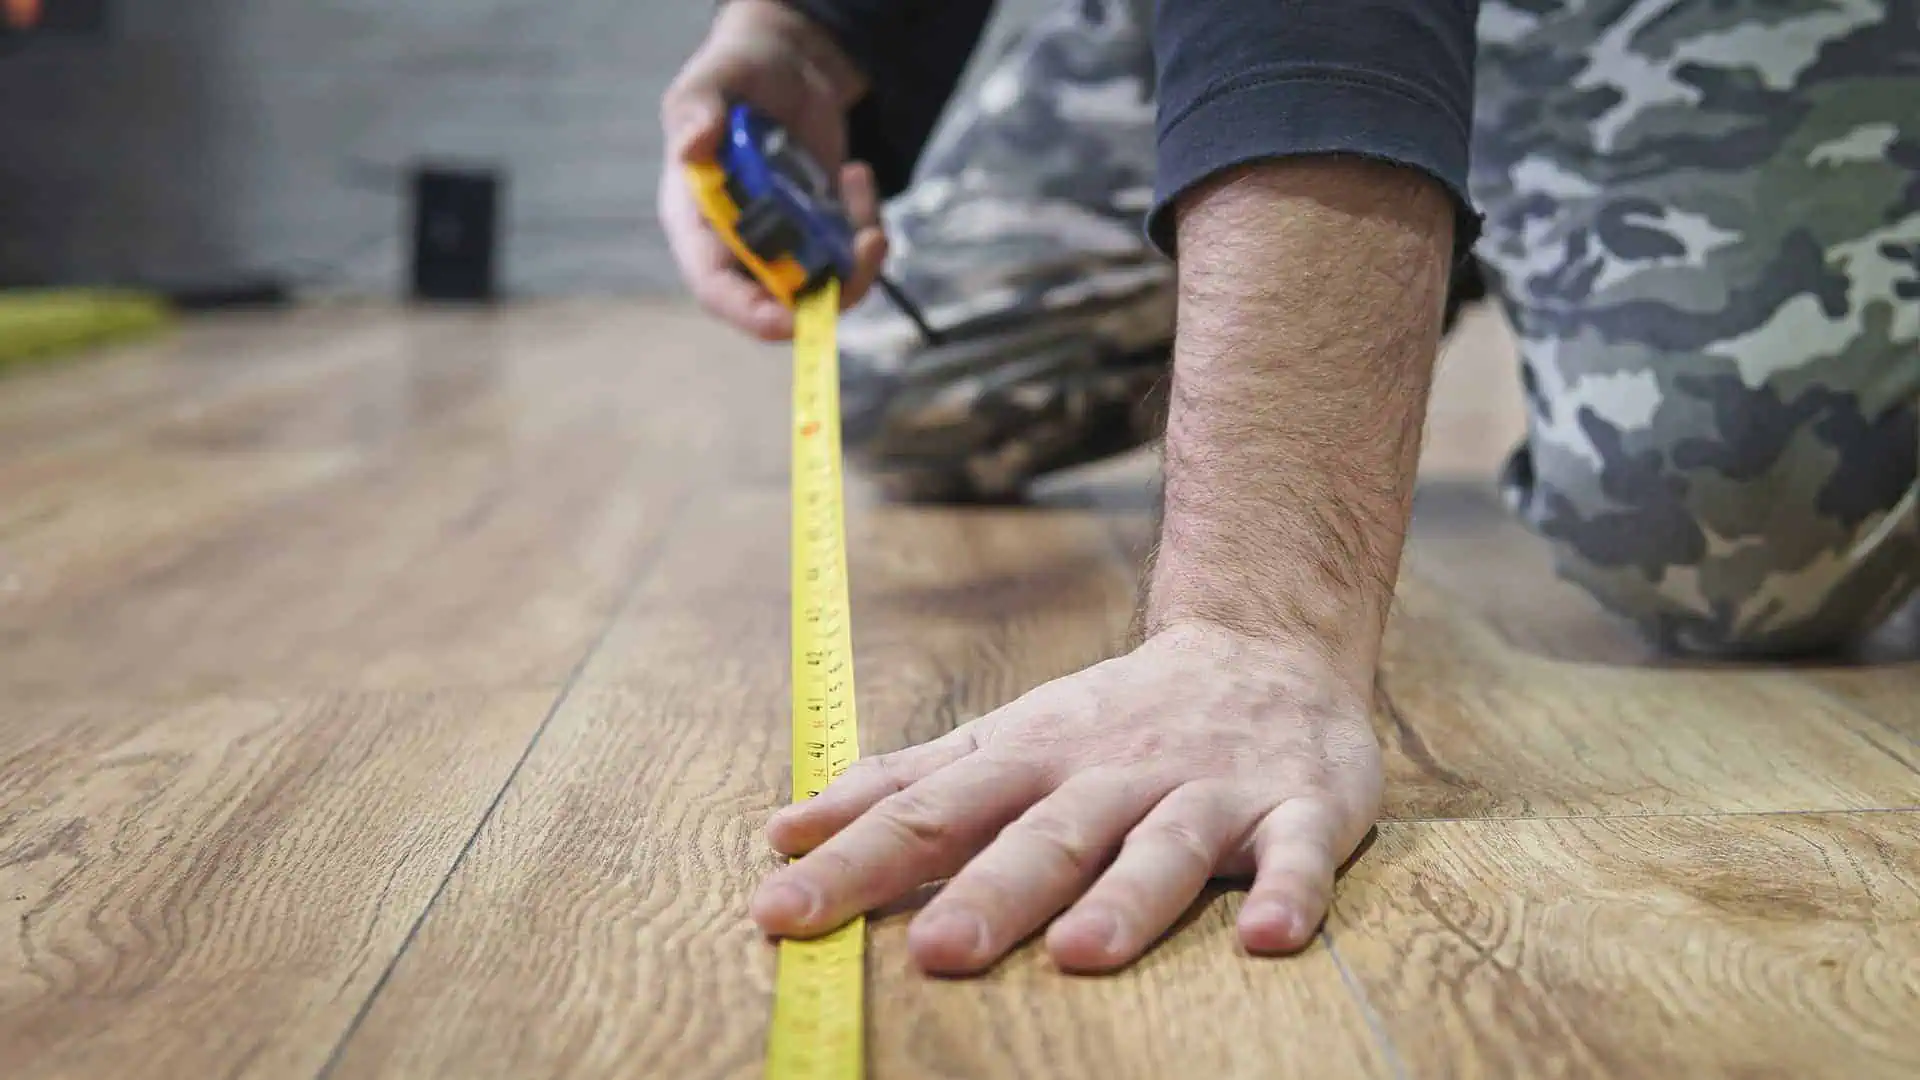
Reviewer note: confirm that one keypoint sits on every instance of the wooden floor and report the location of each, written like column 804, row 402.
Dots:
column 389, row 695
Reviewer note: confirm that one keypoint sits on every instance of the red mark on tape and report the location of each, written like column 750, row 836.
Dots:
column 810, row 427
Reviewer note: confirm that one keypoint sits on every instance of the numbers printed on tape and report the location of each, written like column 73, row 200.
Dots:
column 818, row 1028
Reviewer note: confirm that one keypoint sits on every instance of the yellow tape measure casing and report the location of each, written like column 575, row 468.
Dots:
column 819, row 1024
column 783, row 276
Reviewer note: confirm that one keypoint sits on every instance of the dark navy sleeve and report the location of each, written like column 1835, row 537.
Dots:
column 1237, row 81
column 1246, row 80
column 913, row 53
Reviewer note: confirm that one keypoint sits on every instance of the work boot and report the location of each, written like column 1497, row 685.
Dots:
column 1021, row 242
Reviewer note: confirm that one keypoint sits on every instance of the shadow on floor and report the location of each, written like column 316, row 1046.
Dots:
column 1465, row 543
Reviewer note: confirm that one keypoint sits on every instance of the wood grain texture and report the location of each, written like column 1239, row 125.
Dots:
column 212, row 889
column 285, row 599
column 116, row 397
column 1195, row 1006
column 1474, row 728
column 600, row 923
column 1506, row 692
column 1774, row 945
column 532, row 456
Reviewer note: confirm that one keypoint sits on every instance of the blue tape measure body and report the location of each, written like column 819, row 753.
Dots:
column 787, row 206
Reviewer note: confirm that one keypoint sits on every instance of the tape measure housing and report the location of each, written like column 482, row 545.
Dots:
column 774, row 208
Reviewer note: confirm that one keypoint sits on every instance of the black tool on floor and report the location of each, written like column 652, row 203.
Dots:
column 456, row 233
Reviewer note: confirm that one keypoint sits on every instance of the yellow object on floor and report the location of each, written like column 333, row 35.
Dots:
column 41, row 324
column 819, row 1020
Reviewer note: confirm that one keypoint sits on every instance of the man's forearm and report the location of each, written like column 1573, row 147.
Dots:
column 1311, row 295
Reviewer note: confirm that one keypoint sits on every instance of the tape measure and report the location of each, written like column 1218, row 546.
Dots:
column 818, row 1022
column 775, row 210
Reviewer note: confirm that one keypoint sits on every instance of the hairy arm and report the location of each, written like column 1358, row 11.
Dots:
column 1312, row 182
column 1311, row 296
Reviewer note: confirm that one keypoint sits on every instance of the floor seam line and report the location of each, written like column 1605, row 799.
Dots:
column 1852, row 708
column 1375, row 1026
column 643, row 567
column 1662, row 814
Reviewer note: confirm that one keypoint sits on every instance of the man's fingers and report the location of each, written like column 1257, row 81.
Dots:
column 803, row 826
column 730, row 295
column 1293, row 882
column 693, row 115
column 1167, row 859
column 921, row 834
column 1037, row 866
column 860, row 197
column 708, row 267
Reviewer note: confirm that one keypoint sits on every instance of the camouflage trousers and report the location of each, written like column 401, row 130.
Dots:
column 1703, row 222
column 1703, row 219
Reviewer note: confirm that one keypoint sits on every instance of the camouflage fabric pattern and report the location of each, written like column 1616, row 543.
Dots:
column 1705, row 215
column 1021, row 240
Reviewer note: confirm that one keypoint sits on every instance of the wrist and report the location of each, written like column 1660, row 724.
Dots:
column 1336, row 627
column 1310, row 296
column 816, row 46
column 1310, row 666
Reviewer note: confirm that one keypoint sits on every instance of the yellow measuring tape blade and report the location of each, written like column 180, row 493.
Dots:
column 818, row 1023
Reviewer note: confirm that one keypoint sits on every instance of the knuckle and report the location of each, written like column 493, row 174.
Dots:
column 1181, row 836
column 1061, row 837
column 1207, row 797
column 886, row 768
column 985, row 888
column 914, row 822
column 1128, row 900
column 829, row 867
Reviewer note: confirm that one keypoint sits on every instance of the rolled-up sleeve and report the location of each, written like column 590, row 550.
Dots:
column 1248, row 80
column 913, row 53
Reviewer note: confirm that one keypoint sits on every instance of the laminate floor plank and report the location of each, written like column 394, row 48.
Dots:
column 1509, row 693
column 212, row 889
column 1194, row 1006
column 599, row 927
column 499, row 485
column 451, row 649
column 111, row 396
column 1890, row 693
column 1475, row 728
column 1774, row 945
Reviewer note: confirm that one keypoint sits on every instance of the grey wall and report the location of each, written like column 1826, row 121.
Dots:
column 209, row 136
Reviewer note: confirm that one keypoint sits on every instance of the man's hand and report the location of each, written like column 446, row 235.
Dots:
column 1114, row 794
column 1236, row 740
column 771, row 56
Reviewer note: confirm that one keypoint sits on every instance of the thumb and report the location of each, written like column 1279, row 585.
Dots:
column 694, row 119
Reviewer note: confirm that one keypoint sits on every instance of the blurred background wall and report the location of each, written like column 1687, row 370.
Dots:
column 199, row 139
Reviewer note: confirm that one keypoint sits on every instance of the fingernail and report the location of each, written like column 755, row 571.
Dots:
column 794, row 901
column 1105, row 927
column 960, row 926
column 1271, row 913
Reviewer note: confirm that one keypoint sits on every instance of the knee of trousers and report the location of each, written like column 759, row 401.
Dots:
column 1728, row 514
